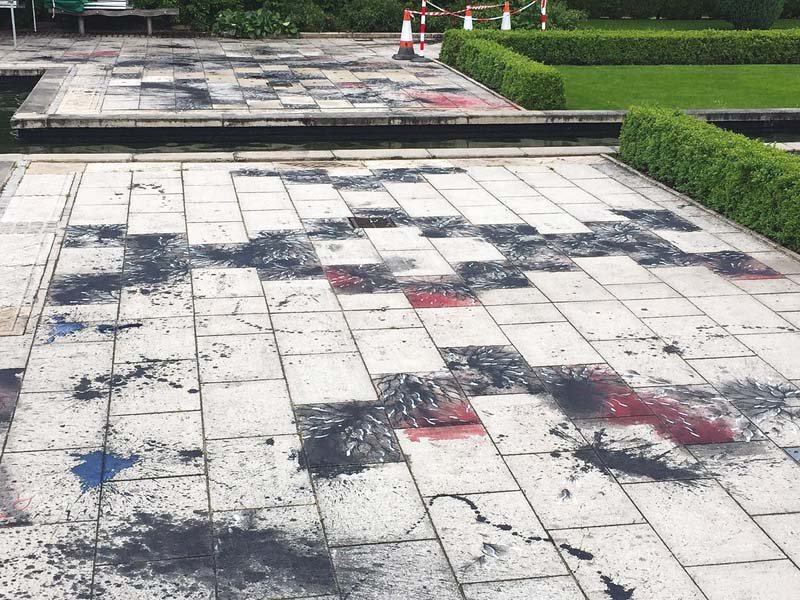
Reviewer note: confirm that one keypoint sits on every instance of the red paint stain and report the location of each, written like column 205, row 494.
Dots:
column 688, row 424
column 455, row 432
column 19, row 505
column 452, row 100
column 618, row 400
column 438, row 300
column 756, row 276
column 698, row 429
column 463, row 413
column 624, row 403
column 339, row 278
column 92, row 54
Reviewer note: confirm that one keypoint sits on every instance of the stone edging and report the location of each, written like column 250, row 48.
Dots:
column 318, row 155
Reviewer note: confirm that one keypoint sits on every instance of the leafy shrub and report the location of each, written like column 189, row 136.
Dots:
column 683, row 9
column 560, row 16
column 751, row 14
column 637, row 47
column 151, row 4
column 530, row 84
column 646, row 9
column 747, row 181
column 201, row 14
column 791, row 9
column 307, row 15
column 371, row 15
column 252, row 24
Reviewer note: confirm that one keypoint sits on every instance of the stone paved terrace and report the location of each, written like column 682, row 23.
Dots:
column 208, row 80
column 475, row 379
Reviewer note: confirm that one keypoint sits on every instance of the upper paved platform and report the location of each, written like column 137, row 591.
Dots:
column 208, row 82
column 461, row 379
column 137, row 82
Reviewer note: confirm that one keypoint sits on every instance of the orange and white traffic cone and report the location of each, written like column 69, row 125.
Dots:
column 406, row 51
column 505, row 24
column 468, row 19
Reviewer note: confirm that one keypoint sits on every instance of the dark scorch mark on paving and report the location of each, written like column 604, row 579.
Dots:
column 147, row 536
column 331, row 229
column 692, row 415
column 486, row 370
column 424, row 401
column 658, row 219
column 154, row 260
column 346, row 433
column 361, row 279
column 491, row 275
column 258, row 560
column 10, row 382
column 444, row 293
column 445, row 227
column 766, row 403
column 94, row 236
column 591, row 391
column 737, row 265
column 277, row 255
column 253, row 560
column 89, row 288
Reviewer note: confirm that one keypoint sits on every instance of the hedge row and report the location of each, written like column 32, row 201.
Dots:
column 665, row 9
column 530, row 84
column 745, row 180
column 596, row 47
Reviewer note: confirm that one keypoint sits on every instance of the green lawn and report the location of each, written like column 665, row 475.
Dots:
column 668, row 24
column 679, row 86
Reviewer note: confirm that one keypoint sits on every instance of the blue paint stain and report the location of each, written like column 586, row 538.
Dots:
column 90, row 468
column 61, row 328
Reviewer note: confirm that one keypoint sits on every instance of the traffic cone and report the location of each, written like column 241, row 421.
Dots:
column 468, row 19
column 406, row 51
column 505, row 24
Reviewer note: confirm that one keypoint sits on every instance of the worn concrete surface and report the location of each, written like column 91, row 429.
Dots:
column 485, row 378
column 206, row 81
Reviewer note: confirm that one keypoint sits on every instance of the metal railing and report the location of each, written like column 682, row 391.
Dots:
column 12, row 5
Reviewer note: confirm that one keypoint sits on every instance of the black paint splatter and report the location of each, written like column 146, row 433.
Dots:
column 577, row 552
column 481, row 518
column 616, row 591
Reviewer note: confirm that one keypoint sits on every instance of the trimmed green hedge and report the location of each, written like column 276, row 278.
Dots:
column 745, row 180
column 637, row 47
column 645, row 9
column 666, row 9
column 530, row 84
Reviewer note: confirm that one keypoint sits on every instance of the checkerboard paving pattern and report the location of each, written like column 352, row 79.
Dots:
column 134, row 74
column 469, row 379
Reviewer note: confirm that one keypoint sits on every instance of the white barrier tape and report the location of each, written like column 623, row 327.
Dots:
column 443, row 12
